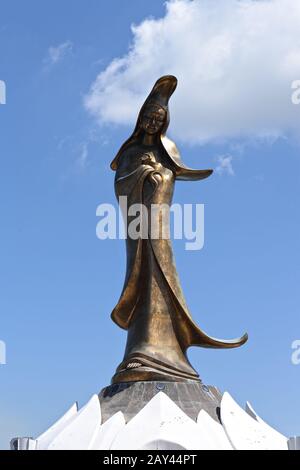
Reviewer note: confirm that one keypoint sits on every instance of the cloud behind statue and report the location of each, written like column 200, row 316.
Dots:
column 235, row 62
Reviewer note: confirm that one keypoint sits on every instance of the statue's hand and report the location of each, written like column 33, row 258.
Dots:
column 148, row 159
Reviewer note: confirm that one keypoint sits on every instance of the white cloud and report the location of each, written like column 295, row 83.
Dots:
column 225, row 165
column 235, row 61
column 58, row 53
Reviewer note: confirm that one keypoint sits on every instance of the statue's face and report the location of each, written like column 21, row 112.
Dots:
column 153, row 119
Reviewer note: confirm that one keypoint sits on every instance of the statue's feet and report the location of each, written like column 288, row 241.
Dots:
column 141, row 368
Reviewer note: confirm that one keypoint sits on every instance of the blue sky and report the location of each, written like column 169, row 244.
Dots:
column 59, row 283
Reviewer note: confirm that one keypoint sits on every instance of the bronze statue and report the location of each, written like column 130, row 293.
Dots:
column 152, row 307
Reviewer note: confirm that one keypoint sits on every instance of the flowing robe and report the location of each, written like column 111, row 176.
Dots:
column 152, row 306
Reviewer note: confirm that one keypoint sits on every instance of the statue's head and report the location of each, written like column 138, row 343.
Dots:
column 153, row 118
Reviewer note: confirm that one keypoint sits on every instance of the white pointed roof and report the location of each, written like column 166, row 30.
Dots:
column 161, row 425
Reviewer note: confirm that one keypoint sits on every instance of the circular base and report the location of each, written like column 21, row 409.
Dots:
column 131, row 397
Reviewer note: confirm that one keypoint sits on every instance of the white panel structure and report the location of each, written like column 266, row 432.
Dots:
column 107, row 432
column 160, row 425
column 162, row 420
column 45, row 439
column 294, row 443
column 214, row 431
column 81, row 430
column 245, row 432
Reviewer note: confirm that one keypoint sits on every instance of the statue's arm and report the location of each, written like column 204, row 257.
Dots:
column 185, row 173
column 181, row 171
column 188, row 174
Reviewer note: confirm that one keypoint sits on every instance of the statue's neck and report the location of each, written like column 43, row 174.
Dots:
column 148, row 139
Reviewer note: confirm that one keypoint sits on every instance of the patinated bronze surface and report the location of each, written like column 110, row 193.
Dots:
column 152, row 307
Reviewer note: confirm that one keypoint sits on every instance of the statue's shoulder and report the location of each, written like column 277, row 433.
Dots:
column 127, row 157
column 129, row 151
column 171, row 150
